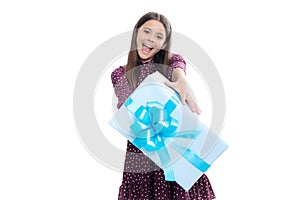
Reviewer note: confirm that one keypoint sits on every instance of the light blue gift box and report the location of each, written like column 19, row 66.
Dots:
column 169, row 133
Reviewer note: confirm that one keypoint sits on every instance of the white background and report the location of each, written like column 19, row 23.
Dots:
column 254, row 45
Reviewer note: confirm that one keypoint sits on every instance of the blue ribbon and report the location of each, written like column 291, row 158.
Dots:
column 153, row 125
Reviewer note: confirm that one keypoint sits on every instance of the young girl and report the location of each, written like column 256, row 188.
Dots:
column 150, row 52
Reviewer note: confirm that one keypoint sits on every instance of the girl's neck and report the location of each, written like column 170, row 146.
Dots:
column 147, row 61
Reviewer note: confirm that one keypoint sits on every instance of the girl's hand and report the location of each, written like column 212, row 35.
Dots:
column 182, row 87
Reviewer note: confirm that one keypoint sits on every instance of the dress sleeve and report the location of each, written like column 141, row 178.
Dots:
column 177, row 61
column 117, row 74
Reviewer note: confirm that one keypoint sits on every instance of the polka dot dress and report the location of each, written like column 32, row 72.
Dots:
column 142, row 178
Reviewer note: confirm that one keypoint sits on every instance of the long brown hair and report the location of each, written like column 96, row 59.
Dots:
column 162, row 57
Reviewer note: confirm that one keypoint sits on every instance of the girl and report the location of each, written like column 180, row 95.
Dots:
column 150, row 52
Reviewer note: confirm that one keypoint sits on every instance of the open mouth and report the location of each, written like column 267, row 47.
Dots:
column 146, row 48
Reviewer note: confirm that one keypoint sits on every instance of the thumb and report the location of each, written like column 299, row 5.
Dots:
column 182, row 98
column 170, row 84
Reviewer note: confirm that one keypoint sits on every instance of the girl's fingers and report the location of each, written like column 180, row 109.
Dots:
column 170, row 84
column 193, row 105
column 182, row 98
column 174, row 86
column 198, row 110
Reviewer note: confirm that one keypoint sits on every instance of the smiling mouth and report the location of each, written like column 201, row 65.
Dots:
column 146, row 48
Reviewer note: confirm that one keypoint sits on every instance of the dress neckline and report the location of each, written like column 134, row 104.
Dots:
column 146, row 62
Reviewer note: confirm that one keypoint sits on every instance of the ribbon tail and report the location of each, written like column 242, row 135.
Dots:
column 166, row 165
column 184, row 134
column 191, row 156
column 138, row 142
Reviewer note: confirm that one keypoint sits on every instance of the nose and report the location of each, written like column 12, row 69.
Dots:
column 151, row 38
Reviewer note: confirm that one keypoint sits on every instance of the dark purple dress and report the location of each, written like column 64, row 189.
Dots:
column 142, row 178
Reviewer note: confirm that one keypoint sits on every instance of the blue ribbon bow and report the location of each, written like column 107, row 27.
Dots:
column 153, row 125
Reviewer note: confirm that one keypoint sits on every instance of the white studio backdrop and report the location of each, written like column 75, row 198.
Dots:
column 253, row 44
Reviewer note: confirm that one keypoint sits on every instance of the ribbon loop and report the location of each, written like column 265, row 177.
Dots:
column 153, row 121
column 153, row 125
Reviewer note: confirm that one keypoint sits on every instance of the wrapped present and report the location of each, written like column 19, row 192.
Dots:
column 168, row 132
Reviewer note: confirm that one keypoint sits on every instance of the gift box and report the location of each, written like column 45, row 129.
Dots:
column 168, row 132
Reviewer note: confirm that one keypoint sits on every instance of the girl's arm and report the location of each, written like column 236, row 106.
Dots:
column 182, row 87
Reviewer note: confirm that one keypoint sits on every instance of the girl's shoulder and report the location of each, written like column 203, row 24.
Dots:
column 177, row 61
column 176, row 58
column 117, row 74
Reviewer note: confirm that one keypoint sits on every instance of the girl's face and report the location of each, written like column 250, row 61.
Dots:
column 151, row 38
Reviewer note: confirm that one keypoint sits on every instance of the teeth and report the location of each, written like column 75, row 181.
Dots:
column 150, row 47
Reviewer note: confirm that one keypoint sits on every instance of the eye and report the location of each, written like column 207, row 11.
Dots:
column 159, row 37
column 146, row 31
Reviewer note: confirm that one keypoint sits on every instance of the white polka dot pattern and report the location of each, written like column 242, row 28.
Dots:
column 142, row 178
